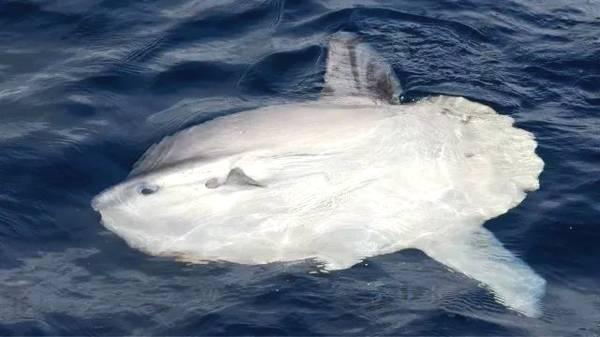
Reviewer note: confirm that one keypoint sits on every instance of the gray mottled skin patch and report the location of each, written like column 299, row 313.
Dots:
column 353, row 65
column 382, row 86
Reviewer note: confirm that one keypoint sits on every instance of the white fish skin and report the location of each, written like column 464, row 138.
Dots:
column 338, row 180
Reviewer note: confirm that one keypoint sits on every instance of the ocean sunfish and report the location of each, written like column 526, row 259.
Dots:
column 349, row 176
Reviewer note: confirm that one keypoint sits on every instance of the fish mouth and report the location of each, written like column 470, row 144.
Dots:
column 104, row 200
column 97, row 203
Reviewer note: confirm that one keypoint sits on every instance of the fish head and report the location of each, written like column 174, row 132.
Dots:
column 165, row 209
column 169, row 201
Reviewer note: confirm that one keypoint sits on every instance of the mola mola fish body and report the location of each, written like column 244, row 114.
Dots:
column 349, row 176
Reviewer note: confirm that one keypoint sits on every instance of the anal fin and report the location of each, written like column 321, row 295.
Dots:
column 479, row 255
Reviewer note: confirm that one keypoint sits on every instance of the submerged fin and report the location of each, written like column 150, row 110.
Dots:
column 479, row 255
column 355, row 69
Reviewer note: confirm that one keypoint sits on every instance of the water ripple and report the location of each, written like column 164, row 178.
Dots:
column 87, row 86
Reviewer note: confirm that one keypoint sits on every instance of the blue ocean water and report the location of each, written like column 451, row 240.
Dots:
column 86, row 86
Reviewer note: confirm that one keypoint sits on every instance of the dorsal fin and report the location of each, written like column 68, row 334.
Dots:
column 355, row 69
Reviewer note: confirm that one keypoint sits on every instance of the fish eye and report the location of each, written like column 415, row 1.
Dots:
column 147, row 189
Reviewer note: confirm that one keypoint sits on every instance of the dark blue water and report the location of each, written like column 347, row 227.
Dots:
column 87, row 86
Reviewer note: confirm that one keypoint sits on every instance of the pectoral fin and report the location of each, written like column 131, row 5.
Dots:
column 479, row 255
column 237, row 177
